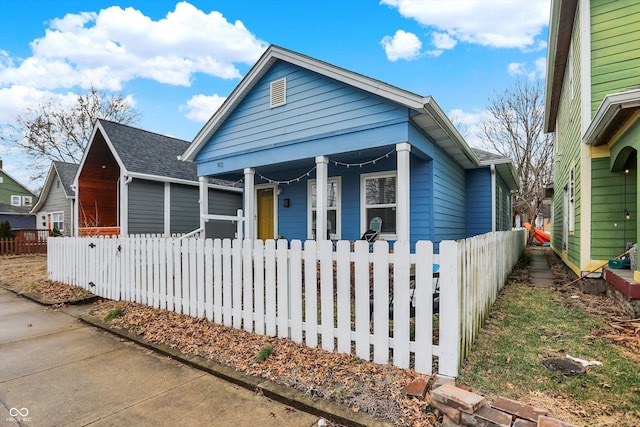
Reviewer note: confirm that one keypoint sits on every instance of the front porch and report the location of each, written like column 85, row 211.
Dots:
column 624, row 289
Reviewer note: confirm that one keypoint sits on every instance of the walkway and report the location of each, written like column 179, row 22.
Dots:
column 55, row 370
column 540, row 274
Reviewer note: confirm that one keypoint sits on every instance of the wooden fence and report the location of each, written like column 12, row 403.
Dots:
column 25, row 242
column 343, row 297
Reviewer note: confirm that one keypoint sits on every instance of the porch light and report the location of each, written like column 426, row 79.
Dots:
column 627, row 215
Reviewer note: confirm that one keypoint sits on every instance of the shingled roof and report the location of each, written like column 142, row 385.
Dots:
column 66, row 172
column 504, row 166
column 148, row 153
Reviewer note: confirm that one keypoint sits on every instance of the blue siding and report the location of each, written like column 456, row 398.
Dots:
column 19, row 222
column 318, row 109
column 421, row 198
column 292, row 221
column 478, row 201
column 503, row 220
column 448, row 198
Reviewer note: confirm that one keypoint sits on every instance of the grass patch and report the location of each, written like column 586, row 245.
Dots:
column 530, row 324
column 263, row 354
column 113, row 314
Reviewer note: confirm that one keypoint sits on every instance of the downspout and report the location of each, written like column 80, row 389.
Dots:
column 493, row 198
column 74, row 203
column 124, row 204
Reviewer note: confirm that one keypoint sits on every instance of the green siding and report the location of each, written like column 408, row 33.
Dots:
column 615, row 42
column 10, row 187
column 609, row 229
column 567, row 143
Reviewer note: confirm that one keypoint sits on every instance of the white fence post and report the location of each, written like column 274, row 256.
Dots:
column 311, row 293
column 270, row 288
column 448, row 359
column 380, row 301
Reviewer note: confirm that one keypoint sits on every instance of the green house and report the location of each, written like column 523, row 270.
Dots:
column 16, row 202
column 592, row 108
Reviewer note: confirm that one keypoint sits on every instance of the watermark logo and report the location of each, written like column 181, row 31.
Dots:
column 14, row 412
column 19, row 414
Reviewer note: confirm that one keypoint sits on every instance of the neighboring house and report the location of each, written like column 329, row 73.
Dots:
column 16, row 202
column 55, row 208
column 322, row 151
column 592, row 108
column 130, row 181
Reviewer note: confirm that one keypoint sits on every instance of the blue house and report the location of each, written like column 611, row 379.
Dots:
column 322, row 151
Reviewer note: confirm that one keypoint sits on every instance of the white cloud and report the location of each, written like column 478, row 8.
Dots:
column 516, row 69
column 18, row 99
column 443, row 41
column 200, row 108
column 494, row 23
column 469, row 124
column 402, row 45
column 115, row 45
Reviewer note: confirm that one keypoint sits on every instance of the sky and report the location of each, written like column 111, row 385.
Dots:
column 178, row 61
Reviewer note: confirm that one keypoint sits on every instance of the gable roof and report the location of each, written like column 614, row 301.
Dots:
column 504, row 166
column 9, row 209
column 66, row 172
column 146, row 154
column 5, row 173
column 430, row 117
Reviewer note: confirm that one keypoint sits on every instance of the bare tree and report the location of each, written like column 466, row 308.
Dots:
column 53, row 132
column 515, row 128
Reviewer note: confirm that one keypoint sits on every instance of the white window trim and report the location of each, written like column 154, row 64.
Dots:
column 364, row 225
column 27, row 201
column 16, row 200
column 337, row 208
column 53, row 222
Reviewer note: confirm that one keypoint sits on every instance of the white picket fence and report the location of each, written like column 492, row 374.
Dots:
column 343, row 298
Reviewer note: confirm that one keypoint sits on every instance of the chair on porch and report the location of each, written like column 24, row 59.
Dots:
column 372, row 234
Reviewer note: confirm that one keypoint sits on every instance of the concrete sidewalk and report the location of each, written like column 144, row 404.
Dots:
column 55, row 370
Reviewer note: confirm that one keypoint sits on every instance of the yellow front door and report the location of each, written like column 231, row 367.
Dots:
column 265, row 213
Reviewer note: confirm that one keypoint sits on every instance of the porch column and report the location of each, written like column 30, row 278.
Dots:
column 204, row 200
column 403, row 211
column 249, row 203
column 322, row 166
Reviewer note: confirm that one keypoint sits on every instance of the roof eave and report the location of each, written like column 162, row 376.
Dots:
column 458, row 148
column 612, row 105
column 561, row 23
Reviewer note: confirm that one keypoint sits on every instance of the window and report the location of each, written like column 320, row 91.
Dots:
column 572, row 199
column 379, row 200
column 278, row 93
column 57, row 220
column 26, row 200
column 16, row 201
column 333, row 208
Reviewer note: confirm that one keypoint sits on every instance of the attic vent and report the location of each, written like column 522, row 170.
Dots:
column 278, row 93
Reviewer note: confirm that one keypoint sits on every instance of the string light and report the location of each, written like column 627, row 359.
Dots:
column 368, row 162
column 287, row 182
column 335, row 162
